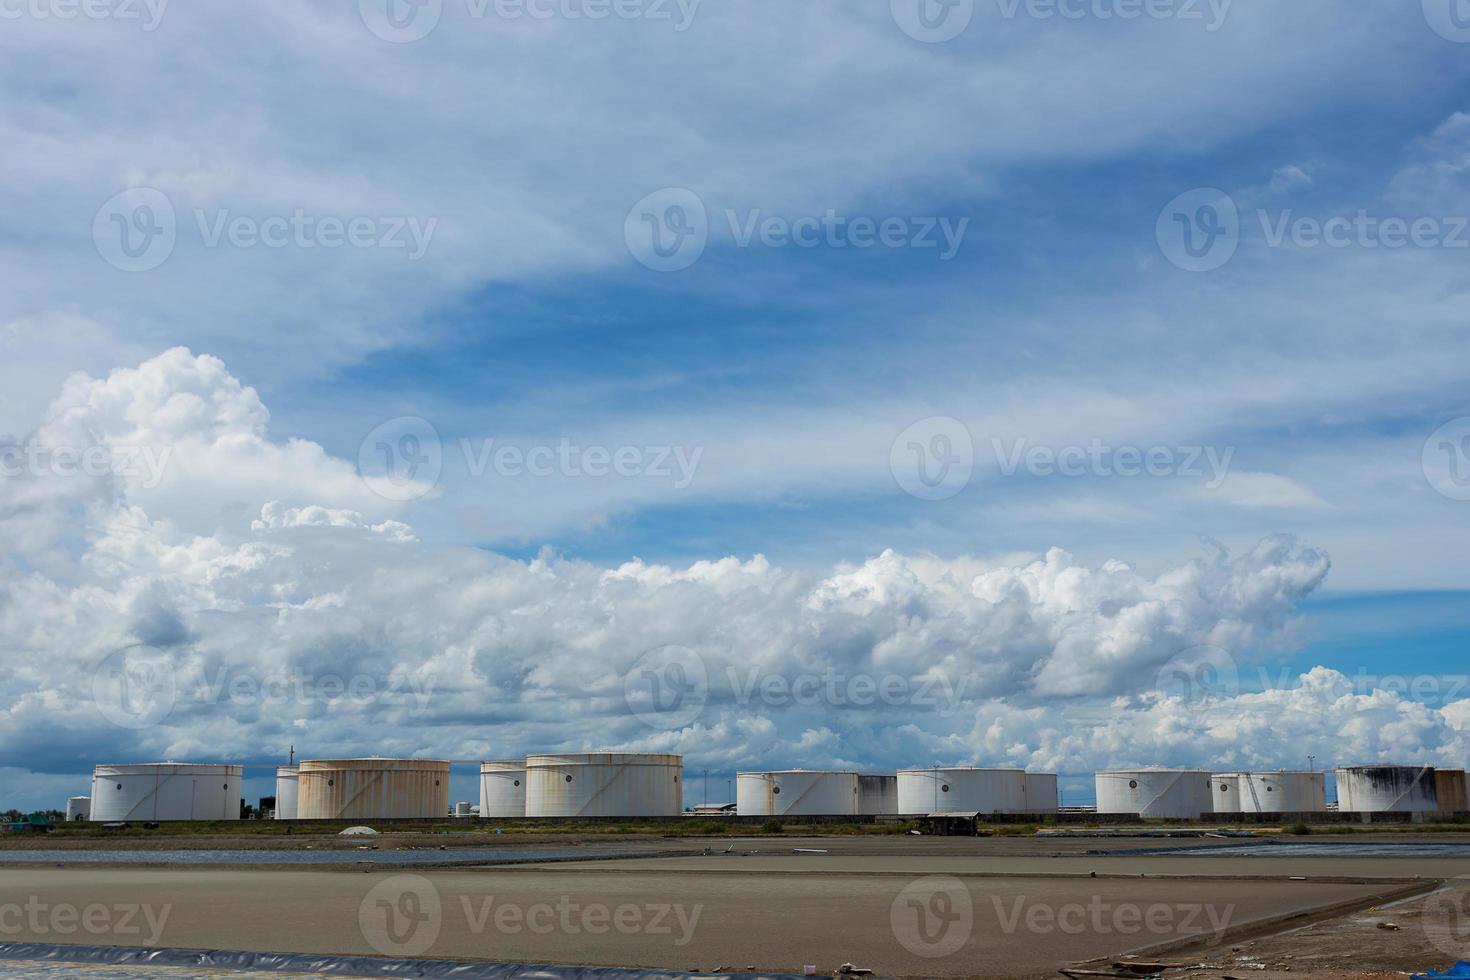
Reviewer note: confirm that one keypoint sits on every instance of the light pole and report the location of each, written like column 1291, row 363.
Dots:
column 706, row 787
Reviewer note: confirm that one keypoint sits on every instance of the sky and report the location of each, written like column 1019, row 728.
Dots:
column 1049, row 383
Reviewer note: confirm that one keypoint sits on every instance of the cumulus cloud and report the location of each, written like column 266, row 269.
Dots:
column 310, row 624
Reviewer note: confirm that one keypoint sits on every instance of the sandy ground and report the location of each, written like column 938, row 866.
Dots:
column 901, row 906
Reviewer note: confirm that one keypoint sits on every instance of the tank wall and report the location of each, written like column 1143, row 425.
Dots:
column 166, row 793
column 1387, row 789
column 612, row 785
column 755, row 794
column 502, row 790
column 286, row 786
column 1450, row 791
column 367, row 792
column 1041, row 792
column 877, row 794
column 961, row 791
column 1164, row 793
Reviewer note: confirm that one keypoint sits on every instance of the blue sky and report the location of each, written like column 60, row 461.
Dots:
column 1296, row 389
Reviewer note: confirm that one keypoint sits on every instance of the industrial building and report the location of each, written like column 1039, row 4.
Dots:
column 78, row 808
column 503, row 788
column 961, row 790
column 604, row 784
column 287, row 780
column 1270, row 792
column 1177, row 794
column 372, row 789
column 796, row 792
column 166, row 791
column 1386, row 789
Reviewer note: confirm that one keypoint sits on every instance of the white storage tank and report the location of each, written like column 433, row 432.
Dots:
column 961, row 790
column 78, row 808
column 286, row 785
column 1041, row 792
column 503, row 788
column 1174, row 794
column 1270, row 792
column 372, row 789
column 1386, row 789
column 796, row 792
column 604, row 784
column 166, row 791
column 877, row 793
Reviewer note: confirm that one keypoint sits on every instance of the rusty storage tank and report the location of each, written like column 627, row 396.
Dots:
column 372, row 789
column 1450, row 791
column 503, row 788
column 1174, row 794
column 286, row 783
column 1041, row 792
column 166, row 791
column 1270, row 792
column 961, row 790
column 796, row 792
column 877, row 793
column 604, row 784
column 1386, row 789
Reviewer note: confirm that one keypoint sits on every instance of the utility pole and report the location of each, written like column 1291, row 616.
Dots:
column 706, row 787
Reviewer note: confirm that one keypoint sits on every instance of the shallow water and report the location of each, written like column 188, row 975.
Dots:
column 29, row 970
column 1334, row 850
column 326, row 856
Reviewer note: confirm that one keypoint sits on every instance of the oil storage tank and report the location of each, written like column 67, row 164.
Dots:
column 372, row 789
column 286, row 785
column 796, row 792
column 961, row 790
column 1171, row 794
column 877, row 793
column 1386, row 789
column 78, row 808
column 1041, row 792
column 166, row 791
column 503, row 788
column 1450, row 791
column 604, row 784
column 1270, row 792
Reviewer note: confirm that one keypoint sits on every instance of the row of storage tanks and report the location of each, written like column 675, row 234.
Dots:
column 1189, row 794
column 637, row 785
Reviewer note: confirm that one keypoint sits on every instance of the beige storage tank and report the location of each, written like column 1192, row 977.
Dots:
column 78, row 808
column 166, row 791
column 604, row 784
column 372, row 789
column 1450, row 791
column 503, row 788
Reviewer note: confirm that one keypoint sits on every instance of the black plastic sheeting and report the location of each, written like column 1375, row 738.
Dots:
column 351, row 966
